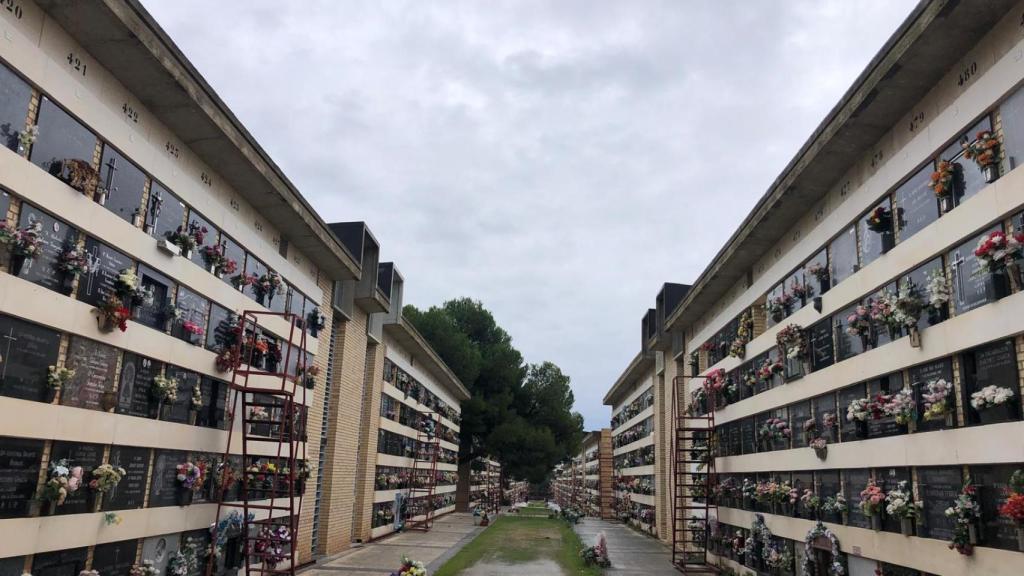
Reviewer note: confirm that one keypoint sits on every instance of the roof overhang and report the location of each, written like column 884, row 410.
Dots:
column 125, row 39
column 640, row 365
column 928, row 44
column 414, row 343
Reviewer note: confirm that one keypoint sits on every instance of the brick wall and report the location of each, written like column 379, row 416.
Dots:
column 367, row 447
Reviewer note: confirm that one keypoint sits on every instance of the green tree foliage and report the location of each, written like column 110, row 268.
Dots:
column 519, row 414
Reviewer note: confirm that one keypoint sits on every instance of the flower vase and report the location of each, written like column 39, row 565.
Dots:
column 915, row 337
column 17, row 263
column 105, row 324
column 945, row 204
column 950, row 419
column 313, row 330
column 1013, row 271
column 260, row 297
column 183, row 496
column 212, row 269
column 187, row 254
column 876, row 522
column 821, row 453
column 845, row 518
column 907, row 526
column 991, row 172
column 271, row 364
column 998, row 285
column 1005, row 412
column 100, row 196
column 860, row 429
column 67, row 284
column 1020, row 537
column 865, row 342
column 972, row 533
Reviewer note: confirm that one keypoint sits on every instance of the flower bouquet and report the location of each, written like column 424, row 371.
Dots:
column 240, row 281
column 72, row 263
column 943, row 181
column 984, row 150
column 992, row 396
column 128, row 287
column 901, row 406
column 998, row 253
column 872, row 498
column 907, row 309
column 899, row 503
column 190, row 478
column 938, row 401
column 58, row 376
column 22, row 244
column 196, row 402
column 791, row 342
column 966, row 512
column 800, row 290
column 410, row 568
column 1013, row 508
column 939, row 295
column 64, row 480
column 774, row 430
column 880, row 220
column 26, row 138
column 778, row 308
column 315, row 321
column 273, row 546
column 106, row 477
column 144, row 569
column 186, row 238
column 217, row 261
column 111, row 313
column 194, row 332
column 266, row 287
column 859, row 324
column 835, row 506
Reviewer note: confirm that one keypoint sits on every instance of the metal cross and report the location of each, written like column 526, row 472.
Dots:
column 7, row 352
column 957, row 265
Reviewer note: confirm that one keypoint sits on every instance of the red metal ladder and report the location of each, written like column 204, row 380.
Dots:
column 271, row 414
column 423, row 479
column 692, row 445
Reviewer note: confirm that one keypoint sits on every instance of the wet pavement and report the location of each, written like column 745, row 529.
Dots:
column 449, row 534
column 631, row 553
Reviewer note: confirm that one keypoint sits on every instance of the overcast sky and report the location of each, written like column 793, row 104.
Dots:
column 557, row 160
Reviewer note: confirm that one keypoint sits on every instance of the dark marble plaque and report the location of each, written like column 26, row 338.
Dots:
column 843, row 255
column 894, row 570
column 5, row 197
column 106, row 265
column 735, row 439
column 800, row 481
column 26, row 352
column 826, row 404
column 55, row 236
column 209, row 461
column 827, row 485
column 115, row 558
column 154, row 314
column 215, row 393
column 19, row 471
column 95, row 365
column 165, row 213
column 60, row 562
column 13, row 565
column 254, row 266
column 164, row 485
column 886, row 426
column 883, row 335
column 15, row 95
column 991, row 365
column 847, row 346
column 126, row 183
column 971, row 178
column 817, row 285
column 194, row 308
column 873, row 244
column 131, row 491
column 891, row 477
column 220, row 327
column 178, row 411
column 938, row 488
column 972, row 287
column 61, row 137
column 856, row 480
column 920, row 377
column 798, row 414
column 822, row 345
column 134, row 396
column 158, row 549
column 992, row 483
column 233, row 252
column 199, row 542
column 88, row 456
column 748, row 433
column 916, row 204
column 846, row 396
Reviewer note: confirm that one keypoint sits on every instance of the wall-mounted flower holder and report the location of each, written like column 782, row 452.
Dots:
column 168, row 247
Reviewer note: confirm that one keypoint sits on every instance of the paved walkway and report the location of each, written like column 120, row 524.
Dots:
column 448, row 535
column 631, row 553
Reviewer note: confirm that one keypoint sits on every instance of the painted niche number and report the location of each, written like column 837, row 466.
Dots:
column 130, row 112
column 916, row 121
column 12, row 7
column 172, row 149
column 206, row 179
column 967, row 74
column 76, row 63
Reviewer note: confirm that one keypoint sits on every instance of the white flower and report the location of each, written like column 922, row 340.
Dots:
column 990, row 396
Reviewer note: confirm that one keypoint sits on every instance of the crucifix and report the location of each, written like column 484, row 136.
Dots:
column 111, row 168
column 94, row 269
column 7, row 352
column 957, row 264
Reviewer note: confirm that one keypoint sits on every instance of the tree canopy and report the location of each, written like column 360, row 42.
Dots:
column 519, row 414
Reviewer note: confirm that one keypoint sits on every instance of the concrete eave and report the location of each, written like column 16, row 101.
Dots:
column 409, row 338
column 925, row 47
column 124, row 38
column 641, row 363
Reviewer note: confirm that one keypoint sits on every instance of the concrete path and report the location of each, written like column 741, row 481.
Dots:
column 448, row 535
column 631, row 553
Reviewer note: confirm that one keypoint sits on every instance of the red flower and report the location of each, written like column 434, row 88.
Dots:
column 1013, row 508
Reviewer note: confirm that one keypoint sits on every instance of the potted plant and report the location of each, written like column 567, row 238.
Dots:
column 998, row 253
column 1013, row 508
column 938, row 401
column 72, row 263
column 63, row 480
column 872, row 497
column 186, row 238
column 190, row 479
column 22, row 244
column 899, row 503
column 990, row 398
column 111, row 313
column 943, row 183
column 965, row 512
column 984, row 150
